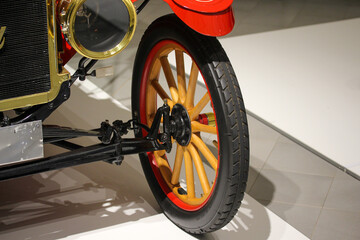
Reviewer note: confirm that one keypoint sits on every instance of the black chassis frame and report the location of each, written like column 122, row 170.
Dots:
column 112, row 147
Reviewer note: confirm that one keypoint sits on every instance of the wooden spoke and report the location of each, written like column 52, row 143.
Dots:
column 194, row 113
column 216, row 144
column 169, row 78
column 150, row 118
column 180, row 69
column 189, row 101
column 154, row 74
column 152, row 90
column 158, row 88
column 204, row 150
column 162, row 93
column 177, row 165
column 163, row 165
column 189, row 171
column 199, row 127
column 199, row 168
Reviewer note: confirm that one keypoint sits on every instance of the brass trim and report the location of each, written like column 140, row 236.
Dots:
column 2, row 38
column 67, row 14
column 56, row 77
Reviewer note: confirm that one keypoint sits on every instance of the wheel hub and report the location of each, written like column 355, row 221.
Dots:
column 180, row 125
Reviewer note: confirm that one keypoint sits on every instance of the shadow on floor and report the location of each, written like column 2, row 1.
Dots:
column 73, row 200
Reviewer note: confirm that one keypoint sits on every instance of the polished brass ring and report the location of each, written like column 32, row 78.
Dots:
column 67, row 15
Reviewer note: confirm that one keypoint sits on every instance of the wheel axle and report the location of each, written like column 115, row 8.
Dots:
column 180, row 125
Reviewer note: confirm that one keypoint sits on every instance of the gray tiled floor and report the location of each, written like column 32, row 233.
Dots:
column 304, row 218
column 310, row 194
column 335, row 224
column 287, row 156
column 344, row 194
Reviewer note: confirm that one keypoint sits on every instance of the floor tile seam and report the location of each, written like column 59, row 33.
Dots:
column 335, row 4
column 258, row 173
column 302, row 173
column 256, row 178
column 288, row 203
column 98, row 84
column 261, row 168
column 295, row 16
column 123, row 99
column 271, row 151
column 273, row 26
column 256, row 5
column 341, row 210
column 317, row 221
column 122, row 84
column 294, row 204
column 111, row 81
column 105, row 87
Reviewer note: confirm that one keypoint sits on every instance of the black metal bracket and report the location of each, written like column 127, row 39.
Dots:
column 165, row 136
column 41, row 112
column 83, row 70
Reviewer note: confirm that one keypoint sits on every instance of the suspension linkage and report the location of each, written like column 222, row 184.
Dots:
column 154, row 141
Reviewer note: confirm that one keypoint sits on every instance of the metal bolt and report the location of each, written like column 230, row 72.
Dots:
column 164, row 137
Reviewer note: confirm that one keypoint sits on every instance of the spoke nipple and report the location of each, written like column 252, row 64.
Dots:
column 183, row 113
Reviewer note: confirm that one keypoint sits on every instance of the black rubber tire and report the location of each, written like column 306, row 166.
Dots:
column 232, row 125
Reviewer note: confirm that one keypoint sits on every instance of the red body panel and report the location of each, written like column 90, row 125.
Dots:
column 208, row 17
column 204, row 6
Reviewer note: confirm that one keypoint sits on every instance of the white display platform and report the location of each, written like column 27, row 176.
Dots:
column 305, row 82
column 102, row 201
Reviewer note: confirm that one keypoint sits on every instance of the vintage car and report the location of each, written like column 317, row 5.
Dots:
column 193, row 145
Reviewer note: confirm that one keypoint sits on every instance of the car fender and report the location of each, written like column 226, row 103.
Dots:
column 208, row 17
